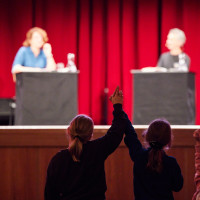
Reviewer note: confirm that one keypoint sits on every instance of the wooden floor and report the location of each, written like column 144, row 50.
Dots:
column 25, row 152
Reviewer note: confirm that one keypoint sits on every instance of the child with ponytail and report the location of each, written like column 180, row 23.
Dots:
column 77, row 173
column 156, row 175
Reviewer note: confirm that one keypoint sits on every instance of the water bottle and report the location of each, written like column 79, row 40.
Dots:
column 182, row 62
column 71, row 62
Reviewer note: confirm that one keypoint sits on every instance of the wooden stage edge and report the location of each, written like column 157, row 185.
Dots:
column 25, row 153
column 55, row 135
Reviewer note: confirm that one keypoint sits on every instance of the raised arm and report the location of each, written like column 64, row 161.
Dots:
column 20, row 68
column 132, row 142
column 109, row 142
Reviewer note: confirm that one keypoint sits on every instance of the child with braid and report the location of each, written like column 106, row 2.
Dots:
column 156, row 175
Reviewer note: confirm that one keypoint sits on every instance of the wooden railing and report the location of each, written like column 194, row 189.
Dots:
column 26, row 151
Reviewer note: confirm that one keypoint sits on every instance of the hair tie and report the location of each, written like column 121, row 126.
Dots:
column 155, row 145
column 77, row 136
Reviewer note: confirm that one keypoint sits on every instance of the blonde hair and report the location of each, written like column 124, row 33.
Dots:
column 30, row 32
column 80, row 131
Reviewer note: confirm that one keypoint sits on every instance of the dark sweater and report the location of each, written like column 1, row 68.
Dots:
column 167, row 60
column 85, row 180
column 150, row 185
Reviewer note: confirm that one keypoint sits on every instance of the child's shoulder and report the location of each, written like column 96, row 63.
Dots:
column 59, row 155
column 170, row 159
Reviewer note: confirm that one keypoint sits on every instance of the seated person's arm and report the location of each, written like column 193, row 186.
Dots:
column 51, row 65
column 19, row 68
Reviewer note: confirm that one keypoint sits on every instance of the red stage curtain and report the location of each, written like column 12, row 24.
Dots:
column 185, row 15
column 109, row 38
column 15, row 20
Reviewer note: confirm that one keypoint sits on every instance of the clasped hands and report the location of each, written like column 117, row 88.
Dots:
column 117, row 96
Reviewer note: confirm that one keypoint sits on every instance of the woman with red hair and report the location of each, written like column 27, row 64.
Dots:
column 35, row 54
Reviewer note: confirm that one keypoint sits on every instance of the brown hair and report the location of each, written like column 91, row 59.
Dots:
column 80, row 131
column 158, row 136
column 30, row 32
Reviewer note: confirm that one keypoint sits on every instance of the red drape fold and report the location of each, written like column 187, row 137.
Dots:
column 109, row 39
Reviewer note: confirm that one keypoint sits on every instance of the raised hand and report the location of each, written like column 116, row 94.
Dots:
column 117, row 96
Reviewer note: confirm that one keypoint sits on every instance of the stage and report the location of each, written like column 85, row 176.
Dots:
column 26, row 151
